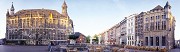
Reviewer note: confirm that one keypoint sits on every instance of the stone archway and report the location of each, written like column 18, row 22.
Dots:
column 38, row 39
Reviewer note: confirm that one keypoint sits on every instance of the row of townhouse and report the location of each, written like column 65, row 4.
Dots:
column 154, row 28
column 115, row 35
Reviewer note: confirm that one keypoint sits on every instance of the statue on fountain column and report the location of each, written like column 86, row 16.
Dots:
column 99, row 40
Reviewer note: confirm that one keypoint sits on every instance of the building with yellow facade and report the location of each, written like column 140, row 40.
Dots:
column 38, row 26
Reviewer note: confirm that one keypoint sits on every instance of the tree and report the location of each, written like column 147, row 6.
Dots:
column 88, row 39
column 95, row 38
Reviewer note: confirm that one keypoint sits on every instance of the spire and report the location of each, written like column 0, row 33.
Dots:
column 12, row 7
column 7, row 14
column 167, row 5
column 64, row 9
column 64, row 4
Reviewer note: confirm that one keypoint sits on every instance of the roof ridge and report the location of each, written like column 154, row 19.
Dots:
column 157, row 7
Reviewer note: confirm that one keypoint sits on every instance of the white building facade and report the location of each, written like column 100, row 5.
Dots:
column 131, row 30
column 123, row 33
column 117, row 33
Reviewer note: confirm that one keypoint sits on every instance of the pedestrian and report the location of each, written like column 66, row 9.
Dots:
column 157, row 49
column 49, row 47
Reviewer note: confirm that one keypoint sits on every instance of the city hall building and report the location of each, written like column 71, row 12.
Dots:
column 38, row 26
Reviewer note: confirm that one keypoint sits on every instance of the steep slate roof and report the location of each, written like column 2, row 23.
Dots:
column 34, row 11
column 64, row 4
column 76, row 35
column 40, row 11
column 158, row 8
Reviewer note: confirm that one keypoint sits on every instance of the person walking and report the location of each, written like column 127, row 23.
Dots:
column 49, row 48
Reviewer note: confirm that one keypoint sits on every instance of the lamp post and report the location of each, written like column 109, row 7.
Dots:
column 80, row 40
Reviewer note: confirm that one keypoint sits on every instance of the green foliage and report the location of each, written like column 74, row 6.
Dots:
column 96, row 38
column 88, row 39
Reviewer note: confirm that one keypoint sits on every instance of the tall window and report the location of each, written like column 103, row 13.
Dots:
column 146, row 18
column 128, row 37
column 151, row 39
column 146, row 27
column 131, row 30
column 152, row 26
column 157, row 17
column 28, row 22
column 146, row 40
column 20, row 23
column 164, row 25
column 131, row 23
column 132, row 42
column 132, row 38
column 164, row 16
column 151, row 18
column 163, row 40
column 158, row 25
column 157, row 41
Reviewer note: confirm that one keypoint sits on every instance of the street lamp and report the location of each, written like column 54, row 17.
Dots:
column 80, row 40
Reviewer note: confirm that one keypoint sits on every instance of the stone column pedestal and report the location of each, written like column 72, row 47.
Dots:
column 99, row 40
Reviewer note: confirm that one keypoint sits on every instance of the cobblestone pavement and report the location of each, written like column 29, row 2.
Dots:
column 16, row 48
column 175, row 50
column 131, row 50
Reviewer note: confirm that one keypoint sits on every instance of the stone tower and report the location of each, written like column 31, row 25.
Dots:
column 64, row 8
column 12, row 10
column 170, row 24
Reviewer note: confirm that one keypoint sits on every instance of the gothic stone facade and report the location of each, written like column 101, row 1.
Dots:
column 38, row 26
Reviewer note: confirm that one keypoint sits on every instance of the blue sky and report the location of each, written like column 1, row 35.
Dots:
column 91, row 16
